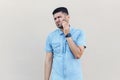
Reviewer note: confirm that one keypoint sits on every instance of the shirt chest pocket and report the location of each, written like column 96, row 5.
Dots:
column 56, row 47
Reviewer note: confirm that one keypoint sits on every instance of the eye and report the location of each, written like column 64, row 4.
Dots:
column 59, row 16
column 54, row 18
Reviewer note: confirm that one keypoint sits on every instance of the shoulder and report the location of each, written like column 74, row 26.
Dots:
column 51, row 34
column 77, row 30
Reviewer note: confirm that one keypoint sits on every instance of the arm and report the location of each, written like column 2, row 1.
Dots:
column 48, row 66
column 76, row 50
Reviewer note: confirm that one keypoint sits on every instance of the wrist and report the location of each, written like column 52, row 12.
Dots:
column 68, row 35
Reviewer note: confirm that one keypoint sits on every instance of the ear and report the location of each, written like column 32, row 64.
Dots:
column 68, row 17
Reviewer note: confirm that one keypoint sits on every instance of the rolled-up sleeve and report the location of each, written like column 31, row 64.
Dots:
column 81, row 39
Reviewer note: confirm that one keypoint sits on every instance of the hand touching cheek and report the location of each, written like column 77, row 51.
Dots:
column 66, row 28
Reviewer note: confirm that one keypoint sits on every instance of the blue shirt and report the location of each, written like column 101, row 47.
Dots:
column 65, row 66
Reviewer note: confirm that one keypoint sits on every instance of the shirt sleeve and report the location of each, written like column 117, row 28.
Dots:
column 81, row 39
column 48, row 47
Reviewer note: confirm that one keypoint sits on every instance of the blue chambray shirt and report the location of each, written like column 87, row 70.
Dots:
column 65, row 66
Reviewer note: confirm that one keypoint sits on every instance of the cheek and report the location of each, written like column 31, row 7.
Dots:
column 61, row 19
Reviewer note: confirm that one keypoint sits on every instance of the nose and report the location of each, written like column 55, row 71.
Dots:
column 57, row 21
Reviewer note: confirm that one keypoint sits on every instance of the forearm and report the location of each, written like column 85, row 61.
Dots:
column 74, row 48
column 48, row 66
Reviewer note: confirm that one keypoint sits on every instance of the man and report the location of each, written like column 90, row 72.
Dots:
column 64, row 48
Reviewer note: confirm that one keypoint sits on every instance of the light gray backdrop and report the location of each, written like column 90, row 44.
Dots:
column 25, row 24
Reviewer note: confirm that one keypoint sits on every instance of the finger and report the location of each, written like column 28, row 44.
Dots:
column 65, row 20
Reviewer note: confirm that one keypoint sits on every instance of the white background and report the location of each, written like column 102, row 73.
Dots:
column 25, row 24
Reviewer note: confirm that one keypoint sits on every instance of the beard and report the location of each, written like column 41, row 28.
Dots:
column 60, row 27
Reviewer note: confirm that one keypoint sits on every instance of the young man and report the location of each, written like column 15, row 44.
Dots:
column 64, row 48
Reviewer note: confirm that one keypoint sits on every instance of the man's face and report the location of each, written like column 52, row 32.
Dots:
column 59, row 17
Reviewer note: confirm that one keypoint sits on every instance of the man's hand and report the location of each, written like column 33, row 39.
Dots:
column 66, row 28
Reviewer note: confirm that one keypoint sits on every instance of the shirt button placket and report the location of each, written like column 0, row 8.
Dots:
column 64, row 58
column 64, row 70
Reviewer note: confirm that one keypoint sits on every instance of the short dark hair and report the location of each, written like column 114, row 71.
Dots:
column 61, row 9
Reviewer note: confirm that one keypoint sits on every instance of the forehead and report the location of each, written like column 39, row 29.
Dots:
column 58, row 14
